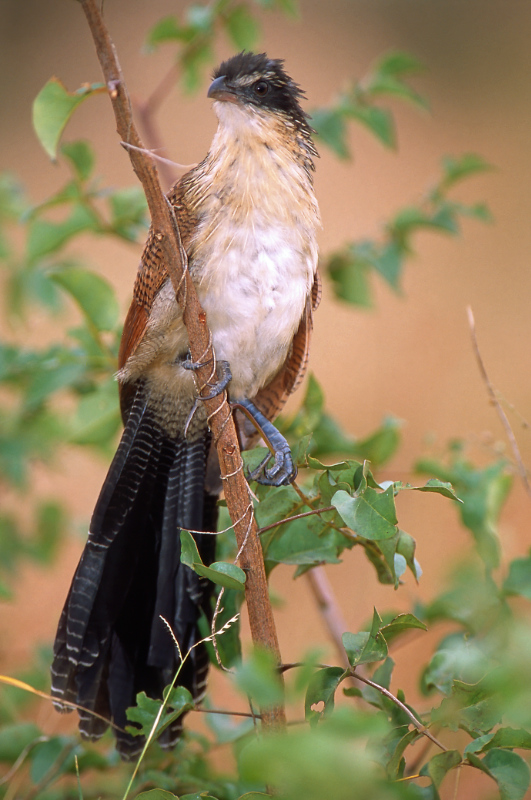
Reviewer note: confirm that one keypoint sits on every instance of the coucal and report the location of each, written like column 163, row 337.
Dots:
column 248, row 219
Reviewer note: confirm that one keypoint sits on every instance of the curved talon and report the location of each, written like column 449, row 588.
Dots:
column 221, row 384
column 281, row 473
column 192, row 365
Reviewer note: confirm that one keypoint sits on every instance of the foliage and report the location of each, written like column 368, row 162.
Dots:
column 360, row 736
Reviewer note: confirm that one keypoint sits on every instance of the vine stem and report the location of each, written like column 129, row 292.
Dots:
column 418, row 725
column 220, row 418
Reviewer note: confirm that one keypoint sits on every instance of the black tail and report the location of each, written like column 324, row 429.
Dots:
column 111, row 643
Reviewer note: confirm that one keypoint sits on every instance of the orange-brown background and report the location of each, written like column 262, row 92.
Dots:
column 410, row 356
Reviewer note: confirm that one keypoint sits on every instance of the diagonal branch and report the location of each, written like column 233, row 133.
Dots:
column 390, row 696
column 220, row 417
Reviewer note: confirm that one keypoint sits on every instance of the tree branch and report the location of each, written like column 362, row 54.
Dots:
column 219, row 414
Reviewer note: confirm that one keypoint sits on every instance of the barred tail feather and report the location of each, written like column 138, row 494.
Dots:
column 111, row 643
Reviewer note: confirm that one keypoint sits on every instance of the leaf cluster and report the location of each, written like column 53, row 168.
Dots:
column 195, row 33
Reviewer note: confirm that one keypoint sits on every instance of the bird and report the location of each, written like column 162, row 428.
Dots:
column 248, row 219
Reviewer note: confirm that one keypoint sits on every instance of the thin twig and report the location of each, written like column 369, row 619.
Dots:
column 179, row 168
column 201, row 710
column 390, row 696
column 496, row 403
column 294, row 517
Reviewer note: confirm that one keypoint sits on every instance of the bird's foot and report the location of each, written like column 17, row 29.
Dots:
column 216, row 387
column 282, row 471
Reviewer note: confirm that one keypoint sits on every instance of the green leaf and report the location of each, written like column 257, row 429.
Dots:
column 439, row 487
column 56, row 371
column 242, row 27
column 331, row 760
column 503, row 738
column 277, row 504
column 455, row 169
column 471, row 705
column 387, row 78
column 518, row 581
column 50, row 525
column 394, row 765
column 400, row 624
column 257, row 677
column 165, row 30
column 81, row 156
column 43, row 757
column 371, row 514
column 16, row 738
column 300, row 542
column 508, row 769
column 350, row 279
column 193, row 62
column 409, row 220
column 381, row 445
column 97, row 418
column 157, row 794
column 53, row 107
column 321, row 689
column 129, row 212
column 93, row 294
column 189, row 552
column 378, row 120
column 406, row 547
column 457, row 656
column 145, row 713
column 331, row 129
column 483, row 492
column 48, row 237
column 398, row 63
column 440, row 764
column 222, row 573
column 330, row 439
column 367, row 646
column 229, row 575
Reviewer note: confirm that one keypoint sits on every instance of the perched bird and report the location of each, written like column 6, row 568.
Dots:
column 248, row 219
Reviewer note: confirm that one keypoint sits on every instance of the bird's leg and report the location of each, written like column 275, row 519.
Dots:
column 283, row 471
column 218, row 386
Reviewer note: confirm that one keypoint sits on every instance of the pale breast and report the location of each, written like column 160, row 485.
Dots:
column 253, row 258
column 253, row 284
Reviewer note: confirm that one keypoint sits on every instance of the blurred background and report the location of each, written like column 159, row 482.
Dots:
column 411, row 354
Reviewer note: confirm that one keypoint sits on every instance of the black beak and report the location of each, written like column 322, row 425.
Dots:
column 219, row 90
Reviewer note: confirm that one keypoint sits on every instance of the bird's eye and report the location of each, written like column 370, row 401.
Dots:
column 261, row 88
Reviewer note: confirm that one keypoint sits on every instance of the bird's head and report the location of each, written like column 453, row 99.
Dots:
column 257, row 83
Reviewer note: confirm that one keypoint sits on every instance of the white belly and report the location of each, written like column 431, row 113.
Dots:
column 254, row 296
